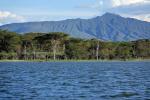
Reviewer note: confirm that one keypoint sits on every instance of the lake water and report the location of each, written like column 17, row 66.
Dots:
column 75, row 81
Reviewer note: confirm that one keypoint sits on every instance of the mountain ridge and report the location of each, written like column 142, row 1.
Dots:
column 109, row 27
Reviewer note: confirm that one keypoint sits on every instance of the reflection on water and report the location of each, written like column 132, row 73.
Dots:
column 75, row 81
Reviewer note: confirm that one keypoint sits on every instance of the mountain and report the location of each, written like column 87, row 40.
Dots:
column 109, row 27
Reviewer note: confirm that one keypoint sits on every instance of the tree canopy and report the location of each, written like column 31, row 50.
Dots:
column 58, row 45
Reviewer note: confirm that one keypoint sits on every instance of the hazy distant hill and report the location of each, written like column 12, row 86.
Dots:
column 109, row 27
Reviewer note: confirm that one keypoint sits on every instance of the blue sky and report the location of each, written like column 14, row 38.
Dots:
column 46, row 10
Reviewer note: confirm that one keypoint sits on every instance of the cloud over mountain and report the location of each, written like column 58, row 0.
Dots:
column 8, row 17
column 53, row 10
column 139, row 9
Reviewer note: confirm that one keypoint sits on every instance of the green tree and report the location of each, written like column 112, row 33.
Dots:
column 9, row 41
column 124, row 50
column 54, row 40
column 142, row 48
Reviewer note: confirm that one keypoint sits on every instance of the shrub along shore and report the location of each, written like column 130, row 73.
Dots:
column 58, row 46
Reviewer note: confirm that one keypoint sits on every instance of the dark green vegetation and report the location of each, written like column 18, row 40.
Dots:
column 59, row 46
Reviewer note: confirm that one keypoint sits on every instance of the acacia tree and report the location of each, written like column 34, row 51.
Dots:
column 28, row 44
column 95, row 46
column 8, row 40
column 124, row 50
column 142, row 48
column 9, row 43
column 55, row 39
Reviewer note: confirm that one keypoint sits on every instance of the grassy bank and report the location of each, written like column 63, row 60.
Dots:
column 106, row 60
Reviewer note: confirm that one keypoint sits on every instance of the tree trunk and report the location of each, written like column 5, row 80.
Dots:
column 64, row 50
column 97, row 51
column 54, row 49
column 25, row 52
column 54, row 53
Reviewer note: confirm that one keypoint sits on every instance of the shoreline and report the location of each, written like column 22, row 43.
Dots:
column 117, row 60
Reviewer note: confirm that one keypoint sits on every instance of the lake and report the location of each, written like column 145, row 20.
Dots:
column 75, row 80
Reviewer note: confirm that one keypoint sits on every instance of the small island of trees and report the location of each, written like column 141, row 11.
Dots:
column 60, row 46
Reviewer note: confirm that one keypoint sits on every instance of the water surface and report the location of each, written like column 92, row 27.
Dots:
column 75, row 81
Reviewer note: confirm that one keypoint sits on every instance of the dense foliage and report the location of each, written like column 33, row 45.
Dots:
column 60, row 46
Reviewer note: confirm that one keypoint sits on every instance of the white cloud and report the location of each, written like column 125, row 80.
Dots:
column 126, row 2
column 8, row 17
column 56, row 16
column 104, row 5
column 143, row 17
column 107, row 4
column 139, row 9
